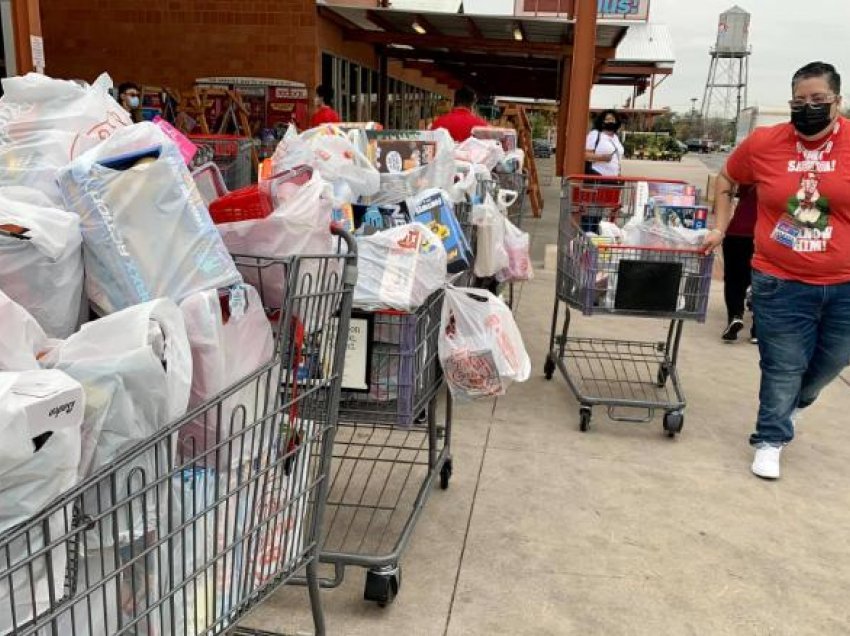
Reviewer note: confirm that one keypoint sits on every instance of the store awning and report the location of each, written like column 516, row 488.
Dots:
column 496, row 55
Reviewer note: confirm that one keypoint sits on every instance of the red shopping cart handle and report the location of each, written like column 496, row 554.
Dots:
column 597, row 177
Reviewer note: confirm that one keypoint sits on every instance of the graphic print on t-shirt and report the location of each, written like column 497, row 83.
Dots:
column 808, row 229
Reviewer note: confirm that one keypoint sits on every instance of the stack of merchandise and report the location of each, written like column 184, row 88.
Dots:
column 122, row 310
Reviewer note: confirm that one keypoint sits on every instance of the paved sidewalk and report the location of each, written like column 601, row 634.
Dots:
column 548, row 531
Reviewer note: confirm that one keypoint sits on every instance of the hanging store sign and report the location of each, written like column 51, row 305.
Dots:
column 632, row 10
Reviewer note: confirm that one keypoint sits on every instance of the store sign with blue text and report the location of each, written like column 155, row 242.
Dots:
column 637, row 10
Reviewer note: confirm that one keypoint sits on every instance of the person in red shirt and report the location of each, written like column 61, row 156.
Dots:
column 738, row 247
column 801, row 267
column 461, row 120
column 324, row 113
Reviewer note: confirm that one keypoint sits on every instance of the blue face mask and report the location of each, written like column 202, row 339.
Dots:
column 133, row 101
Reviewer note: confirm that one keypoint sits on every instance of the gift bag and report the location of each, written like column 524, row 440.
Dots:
column 41, row 259
column 517, row 245
column 399, row 268
column 146, row 232
column 480, row 346
column 491, row 257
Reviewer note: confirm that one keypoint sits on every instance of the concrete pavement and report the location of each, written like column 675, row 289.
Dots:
column 619, row 531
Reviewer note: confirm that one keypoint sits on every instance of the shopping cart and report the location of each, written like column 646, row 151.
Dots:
column 231, row 153
column 632, row 378
column 391, row 449
column 186, row 532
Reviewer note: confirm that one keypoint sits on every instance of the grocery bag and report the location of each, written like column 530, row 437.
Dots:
column 480, row 346
column 328, row 150
column 30, row 478
column 34, row 103
column 136, row 369
column 399, row 268
column 491, row 257
column 487, row 153
column 146, row 232
column 230, row 338
column 21, row 337
column 299, row 225
column 517, row 246
column 41, row 259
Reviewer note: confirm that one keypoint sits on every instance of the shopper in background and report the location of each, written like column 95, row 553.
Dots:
column 324, row 114
column 738, row 248
column 130, row 98
column 461, row 120
column 801, row 267
column 603, row 149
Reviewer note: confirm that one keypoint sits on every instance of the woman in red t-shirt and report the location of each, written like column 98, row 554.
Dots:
column 801, row 267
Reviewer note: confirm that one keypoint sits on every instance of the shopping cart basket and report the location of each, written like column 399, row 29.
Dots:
column 599, row 278
column 186, row 532
column 391, row 449
column 232, row 155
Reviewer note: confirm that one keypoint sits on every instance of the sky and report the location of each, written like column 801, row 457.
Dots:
column 784, row 34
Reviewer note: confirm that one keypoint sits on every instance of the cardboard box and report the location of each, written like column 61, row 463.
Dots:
column 434, row 210
column 45, row 401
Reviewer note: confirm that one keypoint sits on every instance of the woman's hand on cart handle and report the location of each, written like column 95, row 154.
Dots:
column 713, row 240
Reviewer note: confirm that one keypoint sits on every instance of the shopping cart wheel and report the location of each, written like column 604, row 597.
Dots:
column 673, row 423
column 446, row 474
column 382, row 585
column 549, row 367
column 663, row 376
column 584, row 419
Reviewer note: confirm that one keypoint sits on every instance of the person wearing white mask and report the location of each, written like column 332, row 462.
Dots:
column 130, row 98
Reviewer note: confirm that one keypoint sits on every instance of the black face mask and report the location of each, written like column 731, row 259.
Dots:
column 611, row 126
column 810, row 121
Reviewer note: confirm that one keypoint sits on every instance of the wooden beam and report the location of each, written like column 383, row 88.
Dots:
column 613, row 69
column 581, row 83
column 474, row 30
column 380, row 21
column 542, row 49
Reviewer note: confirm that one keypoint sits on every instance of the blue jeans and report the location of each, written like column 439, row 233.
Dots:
column 804, row 341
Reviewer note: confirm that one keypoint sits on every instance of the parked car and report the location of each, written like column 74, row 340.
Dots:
column 542, row 149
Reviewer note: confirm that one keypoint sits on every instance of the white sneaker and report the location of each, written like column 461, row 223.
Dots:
column 766, row 461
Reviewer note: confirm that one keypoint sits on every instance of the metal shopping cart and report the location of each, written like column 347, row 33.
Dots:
column 391, row 448
column 232, row 155
column 186, row 532
column 597, row 277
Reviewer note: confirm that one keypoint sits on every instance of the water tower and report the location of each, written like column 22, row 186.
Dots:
column 728, row 74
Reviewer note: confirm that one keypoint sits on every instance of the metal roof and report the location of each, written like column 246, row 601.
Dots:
column 492, row 27
column 647, row 43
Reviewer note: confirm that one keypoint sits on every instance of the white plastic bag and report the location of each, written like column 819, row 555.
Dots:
column 480, row 346
column 41, row 260
column 299, row 225
column 438, row 173
column 29, row 480
column 399, row 268
column 652, row 233
column 226, row 347
column 21, row 337
column 517, row 245
column 35, row 103
column 146, row 232
column 329, row 151
column 487, row 153
column 491, row 257
column 136, row 368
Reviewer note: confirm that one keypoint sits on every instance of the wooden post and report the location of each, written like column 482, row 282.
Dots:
column 580, row 85
column 563, row 111
column 26, row 21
